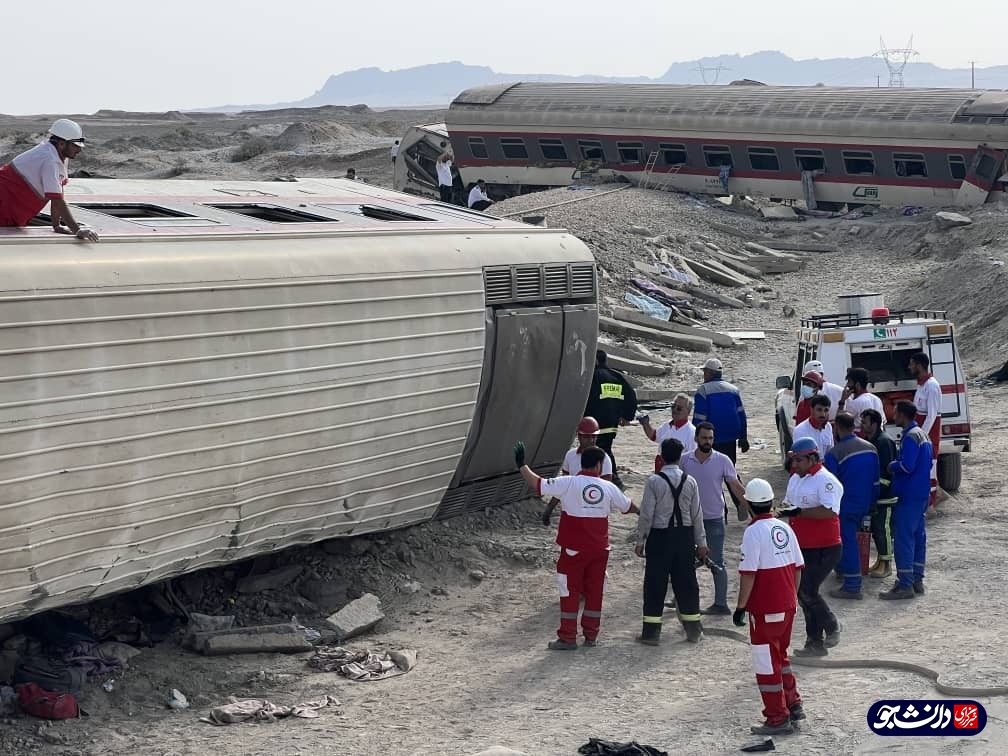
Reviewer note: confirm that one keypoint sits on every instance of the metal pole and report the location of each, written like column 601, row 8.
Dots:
column 972, row 74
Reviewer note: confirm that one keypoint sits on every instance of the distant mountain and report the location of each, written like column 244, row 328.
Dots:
column 437, row 84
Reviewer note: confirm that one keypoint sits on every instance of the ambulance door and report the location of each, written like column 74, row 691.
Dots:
column 980, row 178
column 946, row 370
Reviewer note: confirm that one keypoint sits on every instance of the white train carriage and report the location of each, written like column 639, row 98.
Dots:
column 831, row 146
column 243, row 366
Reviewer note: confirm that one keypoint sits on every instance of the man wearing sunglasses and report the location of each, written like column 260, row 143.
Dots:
column 678, row 427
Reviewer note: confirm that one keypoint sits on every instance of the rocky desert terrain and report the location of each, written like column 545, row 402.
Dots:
column 476, row 596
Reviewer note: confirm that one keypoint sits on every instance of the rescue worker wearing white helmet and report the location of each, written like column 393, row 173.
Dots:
column 770, row 570
column 37, row 177
column 587, row 434
column 813, row 498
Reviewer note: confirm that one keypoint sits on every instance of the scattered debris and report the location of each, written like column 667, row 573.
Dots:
column 363, row 665
column 946, row 219
column 721, row 339
column 261, row 710
column 176, row 700
column 478, row 575
column 630, row 330
column 357, row 617
column 747, row 335
column 779, row 212
column 280, row 638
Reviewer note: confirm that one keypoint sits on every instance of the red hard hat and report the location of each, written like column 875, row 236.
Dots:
column 588, row 427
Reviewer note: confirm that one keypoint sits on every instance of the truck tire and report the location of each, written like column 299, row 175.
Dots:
column 785, row 443
column 950, row 471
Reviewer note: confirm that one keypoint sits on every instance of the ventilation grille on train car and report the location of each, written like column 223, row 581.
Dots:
column 475, row 497
column 532, row 283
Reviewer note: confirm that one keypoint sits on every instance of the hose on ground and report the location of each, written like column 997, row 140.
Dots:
column 925, row 672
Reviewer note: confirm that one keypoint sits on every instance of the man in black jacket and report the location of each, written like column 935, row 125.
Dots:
column 613, row 403
column 881, row 525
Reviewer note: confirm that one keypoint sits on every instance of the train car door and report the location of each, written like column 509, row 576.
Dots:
column 981, row 176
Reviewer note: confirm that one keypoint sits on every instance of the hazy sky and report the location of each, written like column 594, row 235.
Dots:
column 78, row 57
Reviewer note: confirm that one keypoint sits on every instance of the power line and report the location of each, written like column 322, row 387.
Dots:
column 896, row 60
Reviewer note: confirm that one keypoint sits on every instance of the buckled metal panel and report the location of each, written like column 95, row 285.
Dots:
column 573, row 382
column 527, row 357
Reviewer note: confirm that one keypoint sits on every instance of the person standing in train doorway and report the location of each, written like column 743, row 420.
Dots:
column 613, row 402
column 444, row 176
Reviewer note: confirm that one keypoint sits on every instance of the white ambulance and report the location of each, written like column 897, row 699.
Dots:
column 883, row 345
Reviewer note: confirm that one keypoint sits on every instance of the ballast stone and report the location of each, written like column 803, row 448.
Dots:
column 357, row 617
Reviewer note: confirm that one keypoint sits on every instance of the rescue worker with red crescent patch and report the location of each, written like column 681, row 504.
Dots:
column 587, row 435
column 583, row 536
column 769, row 572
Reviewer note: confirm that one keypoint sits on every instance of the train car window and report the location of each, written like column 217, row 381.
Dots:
column 716, row 155
column 673, row 154
column 133, row 210
column 272, row 213
column 910, row 164
column 477, row 146
column 764, row 159
column 553, row 149
column 957, row 167
column 985, row 167
column 810, row 160
column 630, row 152
column 858, row 163
column 514, row 148
column 591, row 149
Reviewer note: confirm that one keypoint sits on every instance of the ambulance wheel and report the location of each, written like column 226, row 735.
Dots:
column 785, row 445
column 950, row 471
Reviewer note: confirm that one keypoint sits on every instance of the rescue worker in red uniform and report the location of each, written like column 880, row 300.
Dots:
column 583, row 536
column 769, row 572
column 587, row 434
column 36, row 178
column 928, row 401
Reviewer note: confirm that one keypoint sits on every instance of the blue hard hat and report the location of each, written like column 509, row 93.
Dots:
column 804, row 446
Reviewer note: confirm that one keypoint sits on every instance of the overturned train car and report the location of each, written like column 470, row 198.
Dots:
column 238, row 368
column 829, row 146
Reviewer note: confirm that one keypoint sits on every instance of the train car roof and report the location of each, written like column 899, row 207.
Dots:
column 813, row 104
column 179, row 207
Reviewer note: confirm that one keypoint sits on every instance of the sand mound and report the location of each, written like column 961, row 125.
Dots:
column 301, row 134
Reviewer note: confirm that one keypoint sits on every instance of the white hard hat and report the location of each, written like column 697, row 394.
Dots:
column 813, row 365
column 758, row 491
column 64, row 128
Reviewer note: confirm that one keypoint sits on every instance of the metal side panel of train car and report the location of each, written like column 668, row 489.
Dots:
column 174, row 404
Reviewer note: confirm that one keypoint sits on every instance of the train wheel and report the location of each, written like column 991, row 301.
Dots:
column 950, row 471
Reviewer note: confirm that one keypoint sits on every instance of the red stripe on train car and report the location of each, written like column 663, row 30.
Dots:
column 953, row 388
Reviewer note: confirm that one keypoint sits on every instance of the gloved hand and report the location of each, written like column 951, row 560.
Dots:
column 86, row 234
column 792, row 512
column 643, row 418
column 738, row 618
column 547, row 516
column 743, row 444
column 519, row 454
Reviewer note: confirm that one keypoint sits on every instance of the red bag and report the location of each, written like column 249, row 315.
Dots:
column 47, row 705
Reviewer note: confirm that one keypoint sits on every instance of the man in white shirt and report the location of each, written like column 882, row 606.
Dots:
column 856, row 398
column 587, row 436
column 818, row 426
column 478, row 199
column 678, row 426
column 928, row 401
column 395, row 151
column 444, row 176
column 37, row 176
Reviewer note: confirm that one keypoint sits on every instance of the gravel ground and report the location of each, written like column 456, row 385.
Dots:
column 476, row 595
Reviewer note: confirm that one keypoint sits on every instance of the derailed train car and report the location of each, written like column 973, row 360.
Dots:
column 831, row 146
column 240, row 367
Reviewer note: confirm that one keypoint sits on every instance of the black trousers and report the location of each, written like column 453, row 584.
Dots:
column 881, row 530
column 819, row 563
column 728, row 449
column 446, row 193
column 669, row 556
column 605, row 442
column 480, row 205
